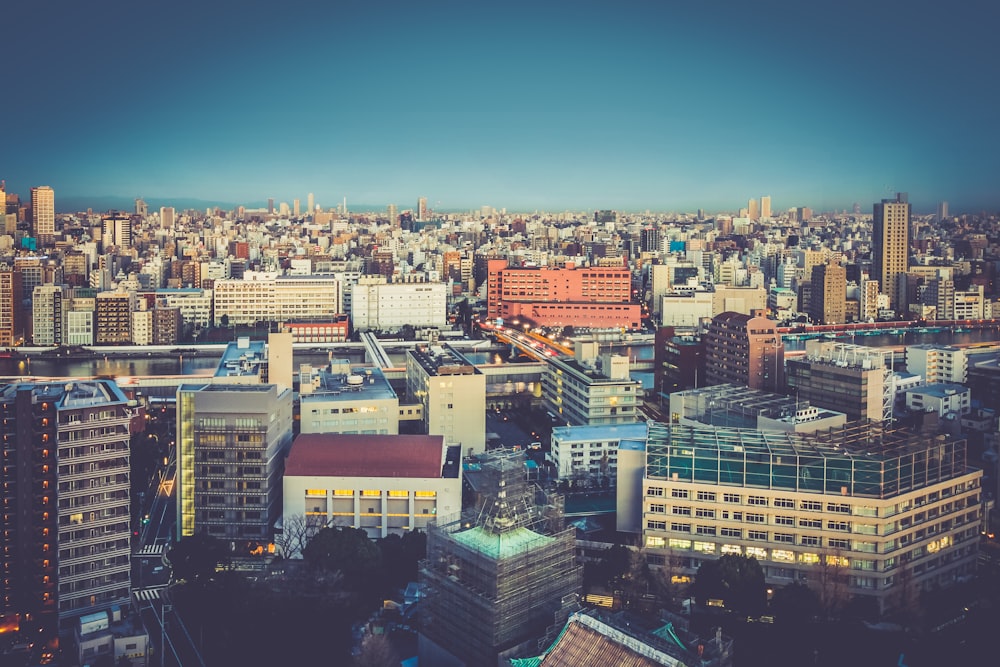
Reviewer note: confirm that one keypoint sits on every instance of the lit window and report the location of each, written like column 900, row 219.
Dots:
column 371, row 493
column 343, row 492
column 395, row 493
column 809, row 558
column 679, row 544
column 655, row 542
column 425, row 494
column 316, row 492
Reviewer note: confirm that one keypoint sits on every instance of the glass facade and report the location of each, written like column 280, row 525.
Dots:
column 860, row 460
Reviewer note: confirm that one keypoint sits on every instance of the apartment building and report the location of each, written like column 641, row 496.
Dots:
column 452, row 395
column 342, row 399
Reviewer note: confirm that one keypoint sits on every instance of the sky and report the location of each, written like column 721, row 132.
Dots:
column 524, row 105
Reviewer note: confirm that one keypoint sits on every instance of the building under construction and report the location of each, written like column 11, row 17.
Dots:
column 501, row 574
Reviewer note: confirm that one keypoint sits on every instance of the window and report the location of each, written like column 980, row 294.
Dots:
column 731, row 498
column 811, row 506
column 679, row 493
column 654, row 491
column 836, row 543
column 757, row 535
column 810, row 523
column 810, row 541
column 703, row 513
column 679, row 544
column 705, row 547
column 786, row 503
column 782, row 556
column 731, row 532
column 757, row 552
column 838, row 525
column 681, row 511
column 756, row 500
column 784, row 521
column 755, row 518
column 658, row 508
column 707, row 496
column 680, row 527
column 842, row 508
column 656, row 525
column 787, row 538
column 705, row 530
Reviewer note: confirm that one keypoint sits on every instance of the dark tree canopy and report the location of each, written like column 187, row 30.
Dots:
column 347, row 550
column 196, row 558
column 795, row 604
column 736, row 580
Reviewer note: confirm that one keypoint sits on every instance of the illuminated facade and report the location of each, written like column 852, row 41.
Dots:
column 66, row 534
column 856, row 511
column 452, row 394
column 43, row 215
column 231, row 444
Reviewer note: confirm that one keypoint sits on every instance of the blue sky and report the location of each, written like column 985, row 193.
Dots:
column 524, row 105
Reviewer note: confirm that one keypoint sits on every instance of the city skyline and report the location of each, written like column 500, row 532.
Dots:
column 631, row 107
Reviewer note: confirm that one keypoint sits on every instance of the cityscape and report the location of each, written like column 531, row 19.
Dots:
column 520, row 336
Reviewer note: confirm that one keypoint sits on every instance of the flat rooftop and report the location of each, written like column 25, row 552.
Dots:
column 243, row 357
column 443, row 360
column 339, row 383
column 635, row 431
column 354, row 455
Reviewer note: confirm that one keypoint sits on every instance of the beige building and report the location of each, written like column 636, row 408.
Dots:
column 859, row 511
column 383, row 484
column 452, row 395
column 891, row 246
column 829, row 294
column 342, row 399
column 43, row 215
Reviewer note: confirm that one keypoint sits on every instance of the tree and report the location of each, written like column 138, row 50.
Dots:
column 196, row 558
column 295, row 533
column 347, row 550
column 736, row 580
column 795, row 604
column 401, row 556
column 376, row 651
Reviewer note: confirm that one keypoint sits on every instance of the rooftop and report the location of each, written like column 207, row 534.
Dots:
column 341, row 382
column 602, row 432
column 443, row 360
column 939, row 389
column 354, row 455
column 501, row 545
column 242, row 357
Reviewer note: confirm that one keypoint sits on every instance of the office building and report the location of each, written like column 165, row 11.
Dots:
column 765, row 207
column 941, row 398
column 745, row 350
column 385, row 307
column 43, row 215
column 116, row 230
column 231, row 445
column 498, row 574
column 167, row 217
column 735, row 406
column 596, row 296
column 393, row 214
column 591, row 452
column 342, row 399
column 66, row 509
column 753, row 210
column 113, row 317
column 382, row 484
column 422, row 209
column 855, row 512
column 270, row 297
column 649, row 239
column 852, row 379
column 591, row 390
column 452, row 395
column 828, row 300
column 891, row 246
column 937, row 363
column 942, row 211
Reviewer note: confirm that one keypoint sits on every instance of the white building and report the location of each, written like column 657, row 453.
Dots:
column 383, row 484
column 941, row 398
column 268, row 297
column 79, row 327
column 588, row 391
column 686, row 310
column 591, row 451
column 390, row 307
column 195, row 304
column 47, row 306
column 938, row 363
column 452, row 394
column 341, row 399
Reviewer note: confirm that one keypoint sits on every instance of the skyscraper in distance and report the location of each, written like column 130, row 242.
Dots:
column 43, row 214
column 753, row 211
column 270, row 205
column 942, row 211
column 311, row 203
column 890, row 245
column 765, row 207
column 296, row 211
column 422, row 208
column 141, row 208
column 393, row 215
column 166, row 217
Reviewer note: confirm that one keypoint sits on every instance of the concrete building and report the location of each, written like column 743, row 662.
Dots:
column 736, row 406
column 43, row 215
column 11, row 306
column 858, row 511
column 852, row 379
column 452, row 395
column 829, row 294
column 269, row 297
column 938, row 363
column 891, row 246
column 195, row 305
column 47, row 314
column 598, row 297
column 591, row 452
column 941, row 398
column 591, row 391
column 744, row 349
column 66, row 508
column 498, row 574
column 389, row 307
column 231, row 445
column 113, row 318
column 342, row 399
column 79, row 327
column 382, row 484
column 687, row 310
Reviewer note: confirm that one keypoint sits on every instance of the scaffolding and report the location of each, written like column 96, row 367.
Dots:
column 500, row 572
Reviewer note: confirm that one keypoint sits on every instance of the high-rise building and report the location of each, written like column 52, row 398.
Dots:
column 66, row 511
column 116, row 230
column 311, row 203
column 296, row 208
column 829, row 294
column 393, row 215
column 113, row 317
column 47, row 314
column 745, row 350
column 231, row 444
column 43, row 215
column 11, row 299
column 765, row 207
column 141, row 208
column 753, row 209
column 649, row 239
column 166, row 217
column 270, row 205
column 498, row 575
column 942, row 211
column 422, row 208
column 891, row 245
